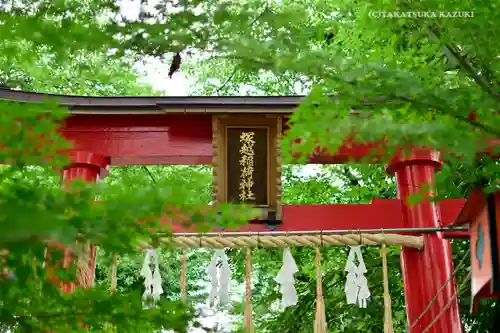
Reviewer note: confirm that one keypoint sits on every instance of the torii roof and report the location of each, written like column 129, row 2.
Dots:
column 160, row 104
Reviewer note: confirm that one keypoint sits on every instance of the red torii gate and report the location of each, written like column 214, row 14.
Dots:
column 117, row 131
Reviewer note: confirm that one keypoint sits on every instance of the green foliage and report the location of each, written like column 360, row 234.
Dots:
column 47, row 309
column 79, row 74
column 45, row 212
column 196, row 181
column 412, row 79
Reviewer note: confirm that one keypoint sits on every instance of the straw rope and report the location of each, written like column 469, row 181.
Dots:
column 248, row 324
column 108, row 327
column 114, row 272
column 219, row 242
column 388, row 328
column 183, row 278
column 320, row 319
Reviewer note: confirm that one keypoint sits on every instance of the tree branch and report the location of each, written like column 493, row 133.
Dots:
column 350, row 177
column 466, row 66
column 472, row 122
column 230, row 77
column 480, row 80
column 153, row 179
column 395, row 99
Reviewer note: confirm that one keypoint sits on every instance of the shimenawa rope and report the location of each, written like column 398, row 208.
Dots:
column 220, row 242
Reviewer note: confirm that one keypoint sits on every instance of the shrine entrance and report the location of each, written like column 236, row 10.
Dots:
column 239, row 137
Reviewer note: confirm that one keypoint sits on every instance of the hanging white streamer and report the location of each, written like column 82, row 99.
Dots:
column 212, row 271
column 364, row 292
column 220, row 278
column 356, row 288
column 362, row 282
column 224, row 278
column 152, row 280
column 351, row 286
column 286, row 280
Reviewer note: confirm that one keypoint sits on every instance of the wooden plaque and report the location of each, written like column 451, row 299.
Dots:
column 247, row 161
column 482, row 212
column 482, row 265
column 247, row 152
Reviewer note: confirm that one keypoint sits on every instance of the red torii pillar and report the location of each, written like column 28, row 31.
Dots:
column 84, row 166
column 425, row 272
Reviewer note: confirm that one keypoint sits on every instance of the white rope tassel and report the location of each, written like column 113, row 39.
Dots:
column 356, row 288
column 152, row 280
column 320, row 319
column 247, row 318
column 286, row 280
column 220, row 278
column 183, row 277
column 388, row 326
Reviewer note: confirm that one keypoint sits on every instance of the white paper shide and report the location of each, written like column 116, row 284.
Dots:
column 356, row 287
column 286, row 280
column 220, row 278
column 152, row 279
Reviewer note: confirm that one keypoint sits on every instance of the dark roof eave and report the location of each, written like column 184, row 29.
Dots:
column 145, row 103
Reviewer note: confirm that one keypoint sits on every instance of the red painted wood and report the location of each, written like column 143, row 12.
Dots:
column 85, row 166
column 450, row 210
column 143, row 139
column 472, row 207
column 184, row 139
column 456, row 235
column 166, row 139
column 381, row 213
column 425, row 272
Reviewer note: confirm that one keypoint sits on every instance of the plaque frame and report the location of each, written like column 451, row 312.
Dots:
column 274, row 125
